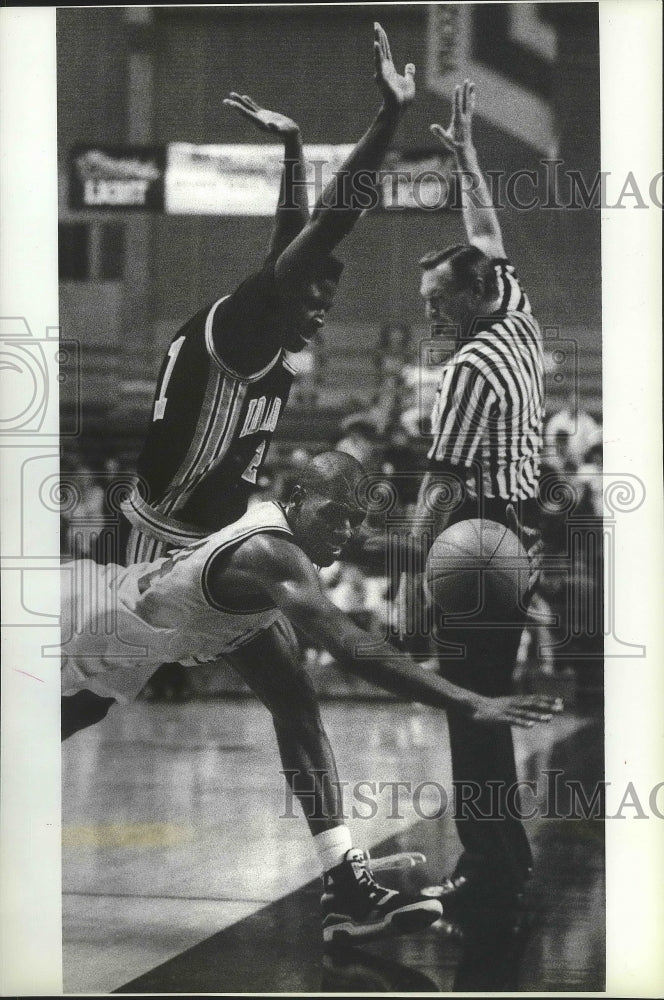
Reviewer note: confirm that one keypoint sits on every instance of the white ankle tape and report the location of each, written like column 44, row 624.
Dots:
column 332, row 845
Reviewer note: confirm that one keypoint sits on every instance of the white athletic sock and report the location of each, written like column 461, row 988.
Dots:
column 332, row 845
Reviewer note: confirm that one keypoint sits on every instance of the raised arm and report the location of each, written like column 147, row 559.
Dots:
column 293, row 206
column 346, row 196
column 293, row 584
column 479, row 215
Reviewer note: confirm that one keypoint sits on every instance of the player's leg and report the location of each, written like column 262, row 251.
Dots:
column 354, row 905
column 271, row 666
column 80, row 710
column 85, row 708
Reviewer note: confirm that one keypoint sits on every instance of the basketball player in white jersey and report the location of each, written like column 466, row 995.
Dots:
column 230, row 590
column 226, row 377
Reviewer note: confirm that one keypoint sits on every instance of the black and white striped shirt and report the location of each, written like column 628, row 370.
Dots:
column 489, row 409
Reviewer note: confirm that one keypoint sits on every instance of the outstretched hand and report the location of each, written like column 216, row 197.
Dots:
column 459, row 132
column 516, row 710
column 266, row 121
column 398, row 91
column 531, row 539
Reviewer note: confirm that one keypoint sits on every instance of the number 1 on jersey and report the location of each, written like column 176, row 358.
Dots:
column 161, row 400
column 251, row 472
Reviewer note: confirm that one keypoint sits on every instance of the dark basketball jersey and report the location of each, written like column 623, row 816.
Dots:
column 221, row 390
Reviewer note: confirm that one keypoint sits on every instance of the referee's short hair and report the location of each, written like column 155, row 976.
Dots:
column 467, row 263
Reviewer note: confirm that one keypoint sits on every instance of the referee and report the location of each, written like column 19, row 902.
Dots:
column 487, row 438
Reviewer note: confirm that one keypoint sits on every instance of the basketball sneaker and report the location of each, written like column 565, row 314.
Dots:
column 356, row 907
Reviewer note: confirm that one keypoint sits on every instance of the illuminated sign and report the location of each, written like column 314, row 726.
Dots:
column 117, row 177
column 244, row 179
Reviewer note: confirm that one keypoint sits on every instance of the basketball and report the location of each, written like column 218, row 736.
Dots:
column 477, row 569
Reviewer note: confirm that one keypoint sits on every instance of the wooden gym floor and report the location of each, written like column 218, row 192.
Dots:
column 183, row 873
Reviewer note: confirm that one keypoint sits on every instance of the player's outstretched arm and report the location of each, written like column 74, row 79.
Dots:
column 345, row 197
column 479, row 215
column 293, row 206
column 288, row 576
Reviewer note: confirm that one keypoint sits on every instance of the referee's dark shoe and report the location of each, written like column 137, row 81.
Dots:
column 461, row 893
column 356, row 908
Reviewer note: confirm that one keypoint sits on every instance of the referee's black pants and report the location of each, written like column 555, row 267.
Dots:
column 495, row 845
column 496, row 848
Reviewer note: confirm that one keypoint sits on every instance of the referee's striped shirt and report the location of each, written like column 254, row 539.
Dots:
column 489, row 409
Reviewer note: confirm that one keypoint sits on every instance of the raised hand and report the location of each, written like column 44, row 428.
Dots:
column 515, row 710
column 266, row 121
column 459, row 132
column 398, row 91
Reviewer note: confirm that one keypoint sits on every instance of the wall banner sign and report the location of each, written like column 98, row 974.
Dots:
column 244, row 179
column 117, row 177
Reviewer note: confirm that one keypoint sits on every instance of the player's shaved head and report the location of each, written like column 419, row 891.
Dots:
column 335, row 475
column 325, row 506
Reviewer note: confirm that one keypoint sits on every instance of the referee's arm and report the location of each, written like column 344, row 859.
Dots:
column 459, row 422
column 479, row 215
column 441, row 490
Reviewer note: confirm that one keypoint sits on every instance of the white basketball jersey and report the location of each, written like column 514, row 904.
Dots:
column 117, row 620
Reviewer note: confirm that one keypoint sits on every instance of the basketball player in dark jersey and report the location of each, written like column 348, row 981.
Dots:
column 225, row 381
column 226, row 377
